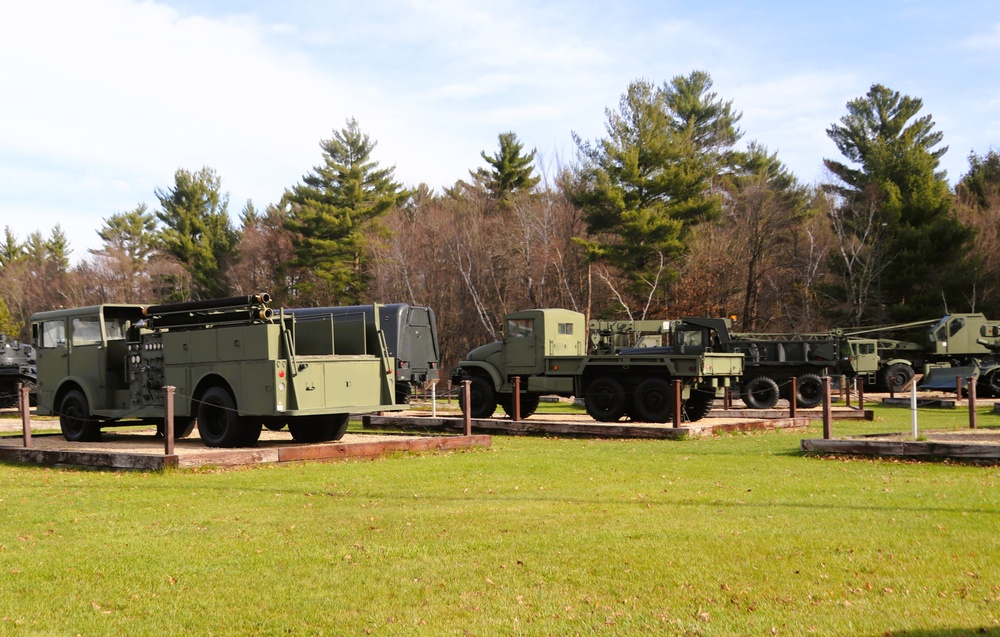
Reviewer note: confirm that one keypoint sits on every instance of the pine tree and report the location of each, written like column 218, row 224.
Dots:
column 650, row 179
column 510, row 171
column 898, row 202
column 330, row 210
column 197, row 230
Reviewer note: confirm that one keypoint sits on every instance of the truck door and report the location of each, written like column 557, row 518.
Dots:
column 51, row 358
column 522, row 352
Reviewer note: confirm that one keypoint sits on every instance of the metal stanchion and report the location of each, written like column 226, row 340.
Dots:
column 24, row 404
column 861, row 393
column 467, row 406
column 677, row 403
column 958, row 388
column 168, row 420
column 845, row 390
column 517, row 398
column 792, row 397
column 827, row 413
column 972, row 403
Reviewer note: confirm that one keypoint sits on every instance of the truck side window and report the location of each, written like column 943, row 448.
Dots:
column 566, row 328
column 520, row 328
column 86, row 331
column 956, row 325
column 116, row 329
column 52, row 334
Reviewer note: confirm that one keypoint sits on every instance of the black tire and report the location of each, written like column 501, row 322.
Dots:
column 808, row 391
column 275, row 424
column 529, row 404
column 482, row 398
column 653, row 401
column 75, row 420
column 250, row 431
column 988, row 384
column 605, row 399
column 218, row 423
column 896, row 376
column 403, row 393
column 318, row 428
column 698, row 404
column 760, row 392
column 183, row 427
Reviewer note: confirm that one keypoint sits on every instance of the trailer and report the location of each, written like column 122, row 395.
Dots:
column 235, row 364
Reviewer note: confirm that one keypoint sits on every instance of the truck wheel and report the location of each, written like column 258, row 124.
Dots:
column 183, row 427
column 251, row 428
column 653, row 401
column 481, row 396
column 75, row 420
column 218, row 423
column 760, row 392
column 698, row 404
column 989, row 383
column 897, row 375
column 318, row 428
column 529, row 404
column 605, row 399
column 809, row 391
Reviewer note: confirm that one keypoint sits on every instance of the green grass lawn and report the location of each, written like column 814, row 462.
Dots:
column 732, row 535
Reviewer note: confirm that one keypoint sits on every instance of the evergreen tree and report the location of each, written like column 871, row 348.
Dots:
column 57, row 250
column 898, row 203
column 330, row 210
column 130, row 234
column 510, row 171
column 649, row 180
column 197, row 230
column 10, row 250
column 980, row 187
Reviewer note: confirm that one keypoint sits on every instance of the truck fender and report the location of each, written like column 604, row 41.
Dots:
column 483, row 369
column 87, row 386
column 210, row 379
column 889, row 363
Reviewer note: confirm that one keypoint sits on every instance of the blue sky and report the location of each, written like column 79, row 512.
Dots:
column 102, row 101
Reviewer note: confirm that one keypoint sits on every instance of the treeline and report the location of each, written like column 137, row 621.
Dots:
column 672, row 213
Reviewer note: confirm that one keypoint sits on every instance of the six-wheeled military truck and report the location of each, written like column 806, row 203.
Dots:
column 235, row 364
column 547, row 350
column 410, row 335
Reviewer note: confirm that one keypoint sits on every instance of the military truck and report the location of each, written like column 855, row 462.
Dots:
column 956, row 345
column 770, row 361
column 547, row 350
column 17, row 367
column 410, row 335
column 235, row 364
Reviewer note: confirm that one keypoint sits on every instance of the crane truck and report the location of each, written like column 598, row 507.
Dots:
column 548, row 351
column 236, row 366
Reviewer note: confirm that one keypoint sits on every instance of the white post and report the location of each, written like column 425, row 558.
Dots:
column 913, row 407
column 434, row 405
